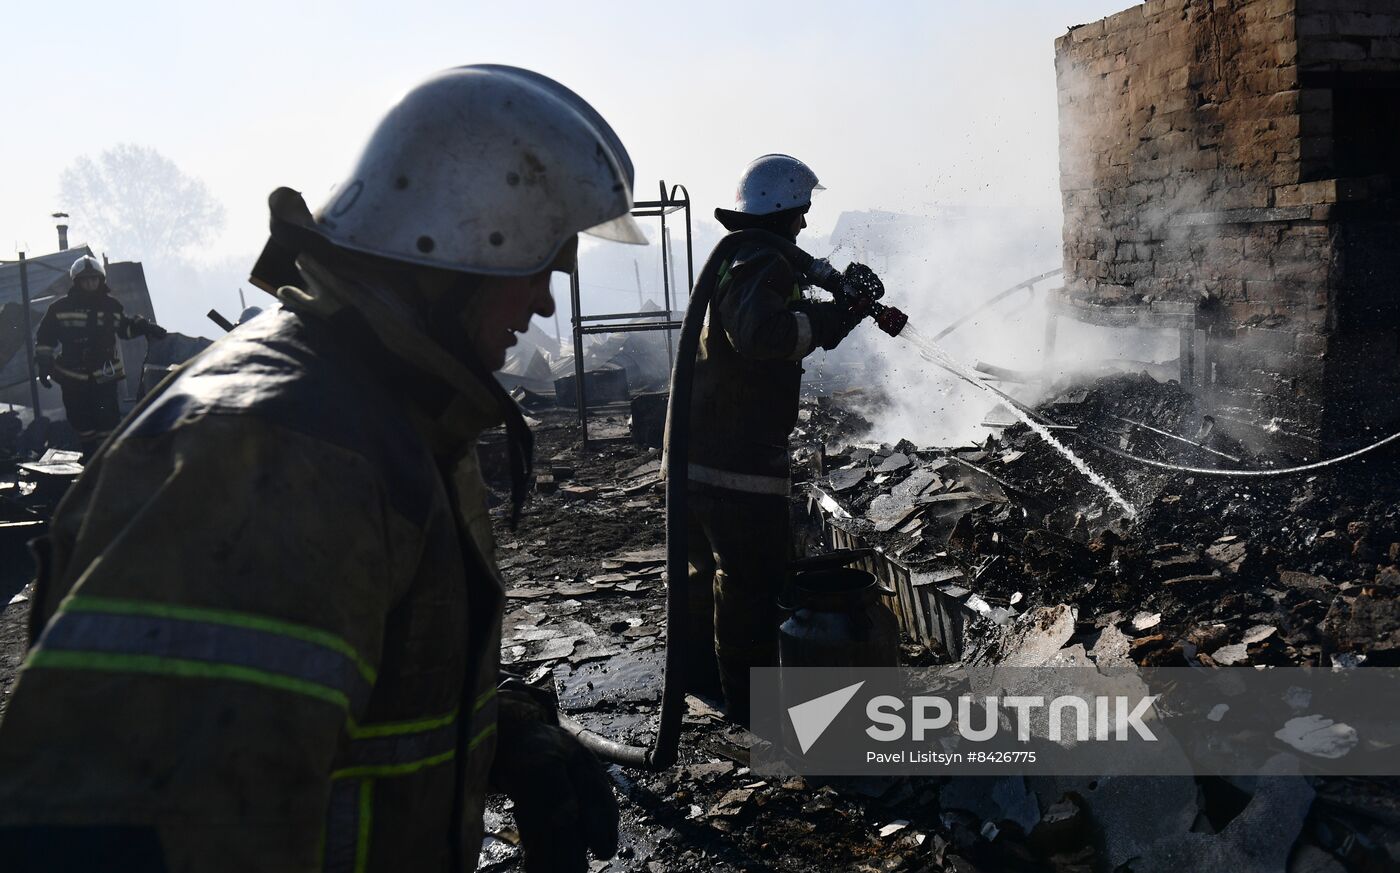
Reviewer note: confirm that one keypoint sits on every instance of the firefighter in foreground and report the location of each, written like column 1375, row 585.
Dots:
column 747, row 377
column 272, row 611
column 83, row 326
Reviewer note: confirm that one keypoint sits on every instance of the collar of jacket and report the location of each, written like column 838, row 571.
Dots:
column 472, row 408
column 89, row 297
column 474, row 400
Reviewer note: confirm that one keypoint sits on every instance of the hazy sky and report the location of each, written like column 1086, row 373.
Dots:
column 896, row 105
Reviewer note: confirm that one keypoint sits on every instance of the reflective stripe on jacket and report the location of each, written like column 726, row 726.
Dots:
column 274, row 620
column 83, row 328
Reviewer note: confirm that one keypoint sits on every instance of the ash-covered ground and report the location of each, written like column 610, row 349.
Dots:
column 1223, row 573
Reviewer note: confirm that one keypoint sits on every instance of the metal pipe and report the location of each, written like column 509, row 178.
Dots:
column 1182, row 439
column 994, row 298
column 574, row 296
column 1241, row 474
column 631, row 328
column 666, row 273
column 1004, row 374
column 637, row 315
column 217, row 317
column 689, row 238
column 28, row 334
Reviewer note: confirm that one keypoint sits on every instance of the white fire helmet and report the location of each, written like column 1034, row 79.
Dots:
column 775, row 183
column 87, row 265
column 484, row 169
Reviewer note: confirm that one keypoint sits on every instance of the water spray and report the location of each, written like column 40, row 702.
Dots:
column 935, row 354
column 861, row 290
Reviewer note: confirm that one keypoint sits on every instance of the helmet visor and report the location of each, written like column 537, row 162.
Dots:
column 623, row 229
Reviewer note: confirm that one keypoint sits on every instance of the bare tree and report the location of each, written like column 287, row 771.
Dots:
column 138, row 204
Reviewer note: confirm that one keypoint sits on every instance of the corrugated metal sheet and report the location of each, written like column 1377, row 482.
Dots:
column 48, row 274
column 930, row 608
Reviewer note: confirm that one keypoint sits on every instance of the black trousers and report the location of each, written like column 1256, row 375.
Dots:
column 92, row 411
column 740, row 546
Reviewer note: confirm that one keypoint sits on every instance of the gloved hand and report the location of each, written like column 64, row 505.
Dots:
column 831, row 322
column 564, row 803
column 860, row 289
column 151, row 330
column 861, row 281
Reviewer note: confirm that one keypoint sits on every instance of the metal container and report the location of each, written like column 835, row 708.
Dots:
column 838, row 619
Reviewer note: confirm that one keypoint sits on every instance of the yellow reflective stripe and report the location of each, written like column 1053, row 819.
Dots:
column 485, row 698
column 156, row 665
column 378, row 770
column 366, row 818
column 481, row 736
column 251, row 621
column 395, row 728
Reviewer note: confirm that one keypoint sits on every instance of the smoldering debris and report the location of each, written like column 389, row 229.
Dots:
column 1287, row 572
column 1259, row 571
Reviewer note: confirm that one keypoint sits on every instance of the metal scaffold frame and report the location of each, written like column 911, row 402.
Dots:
column 618, row 322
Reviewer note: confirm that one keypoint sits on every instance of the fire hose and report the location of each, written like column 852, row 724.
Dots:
column 1177, row 468
column 861, row 291
column 1195, row 471
column 1209, row 471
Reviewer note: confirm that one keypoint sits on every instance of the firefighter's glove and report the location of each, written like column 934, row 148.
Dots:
column 860, row 289
column 861, row 281
column 44, row 366
column 831, row 322
column 151, row 330
column 564, row 803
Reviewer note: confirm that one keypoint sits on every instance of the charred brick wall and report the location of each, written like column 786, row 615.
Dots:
column 1227, row 169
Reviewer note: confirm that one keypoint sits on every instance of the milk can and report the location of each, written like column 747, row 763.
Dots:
column 837, row 618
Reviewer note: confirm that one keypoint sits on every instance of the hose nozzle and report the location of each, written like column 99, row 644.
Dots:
column 890, row 320
column 861, row 289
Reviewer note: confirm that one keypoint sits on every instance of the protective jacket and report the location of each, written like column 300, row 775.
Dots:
column 747, row 373
column 273, row 616
column 84, row 327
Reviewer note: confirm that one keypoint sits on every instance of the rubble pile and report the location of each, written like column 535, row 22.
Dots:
column 1211, row 572
column 1282, row 570
column 1010, row 518
column 1223, row 572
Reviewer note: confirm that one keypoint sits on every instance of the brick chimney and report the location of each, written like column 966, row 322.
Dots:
column 62, row 219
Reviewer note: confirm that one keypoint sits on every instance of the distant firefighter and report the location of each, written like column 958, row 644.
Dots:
column 747, row 379
column 84, row 326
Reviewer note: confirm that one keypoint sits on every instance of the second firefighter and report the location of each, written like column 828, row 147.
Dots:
column 82, row 327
